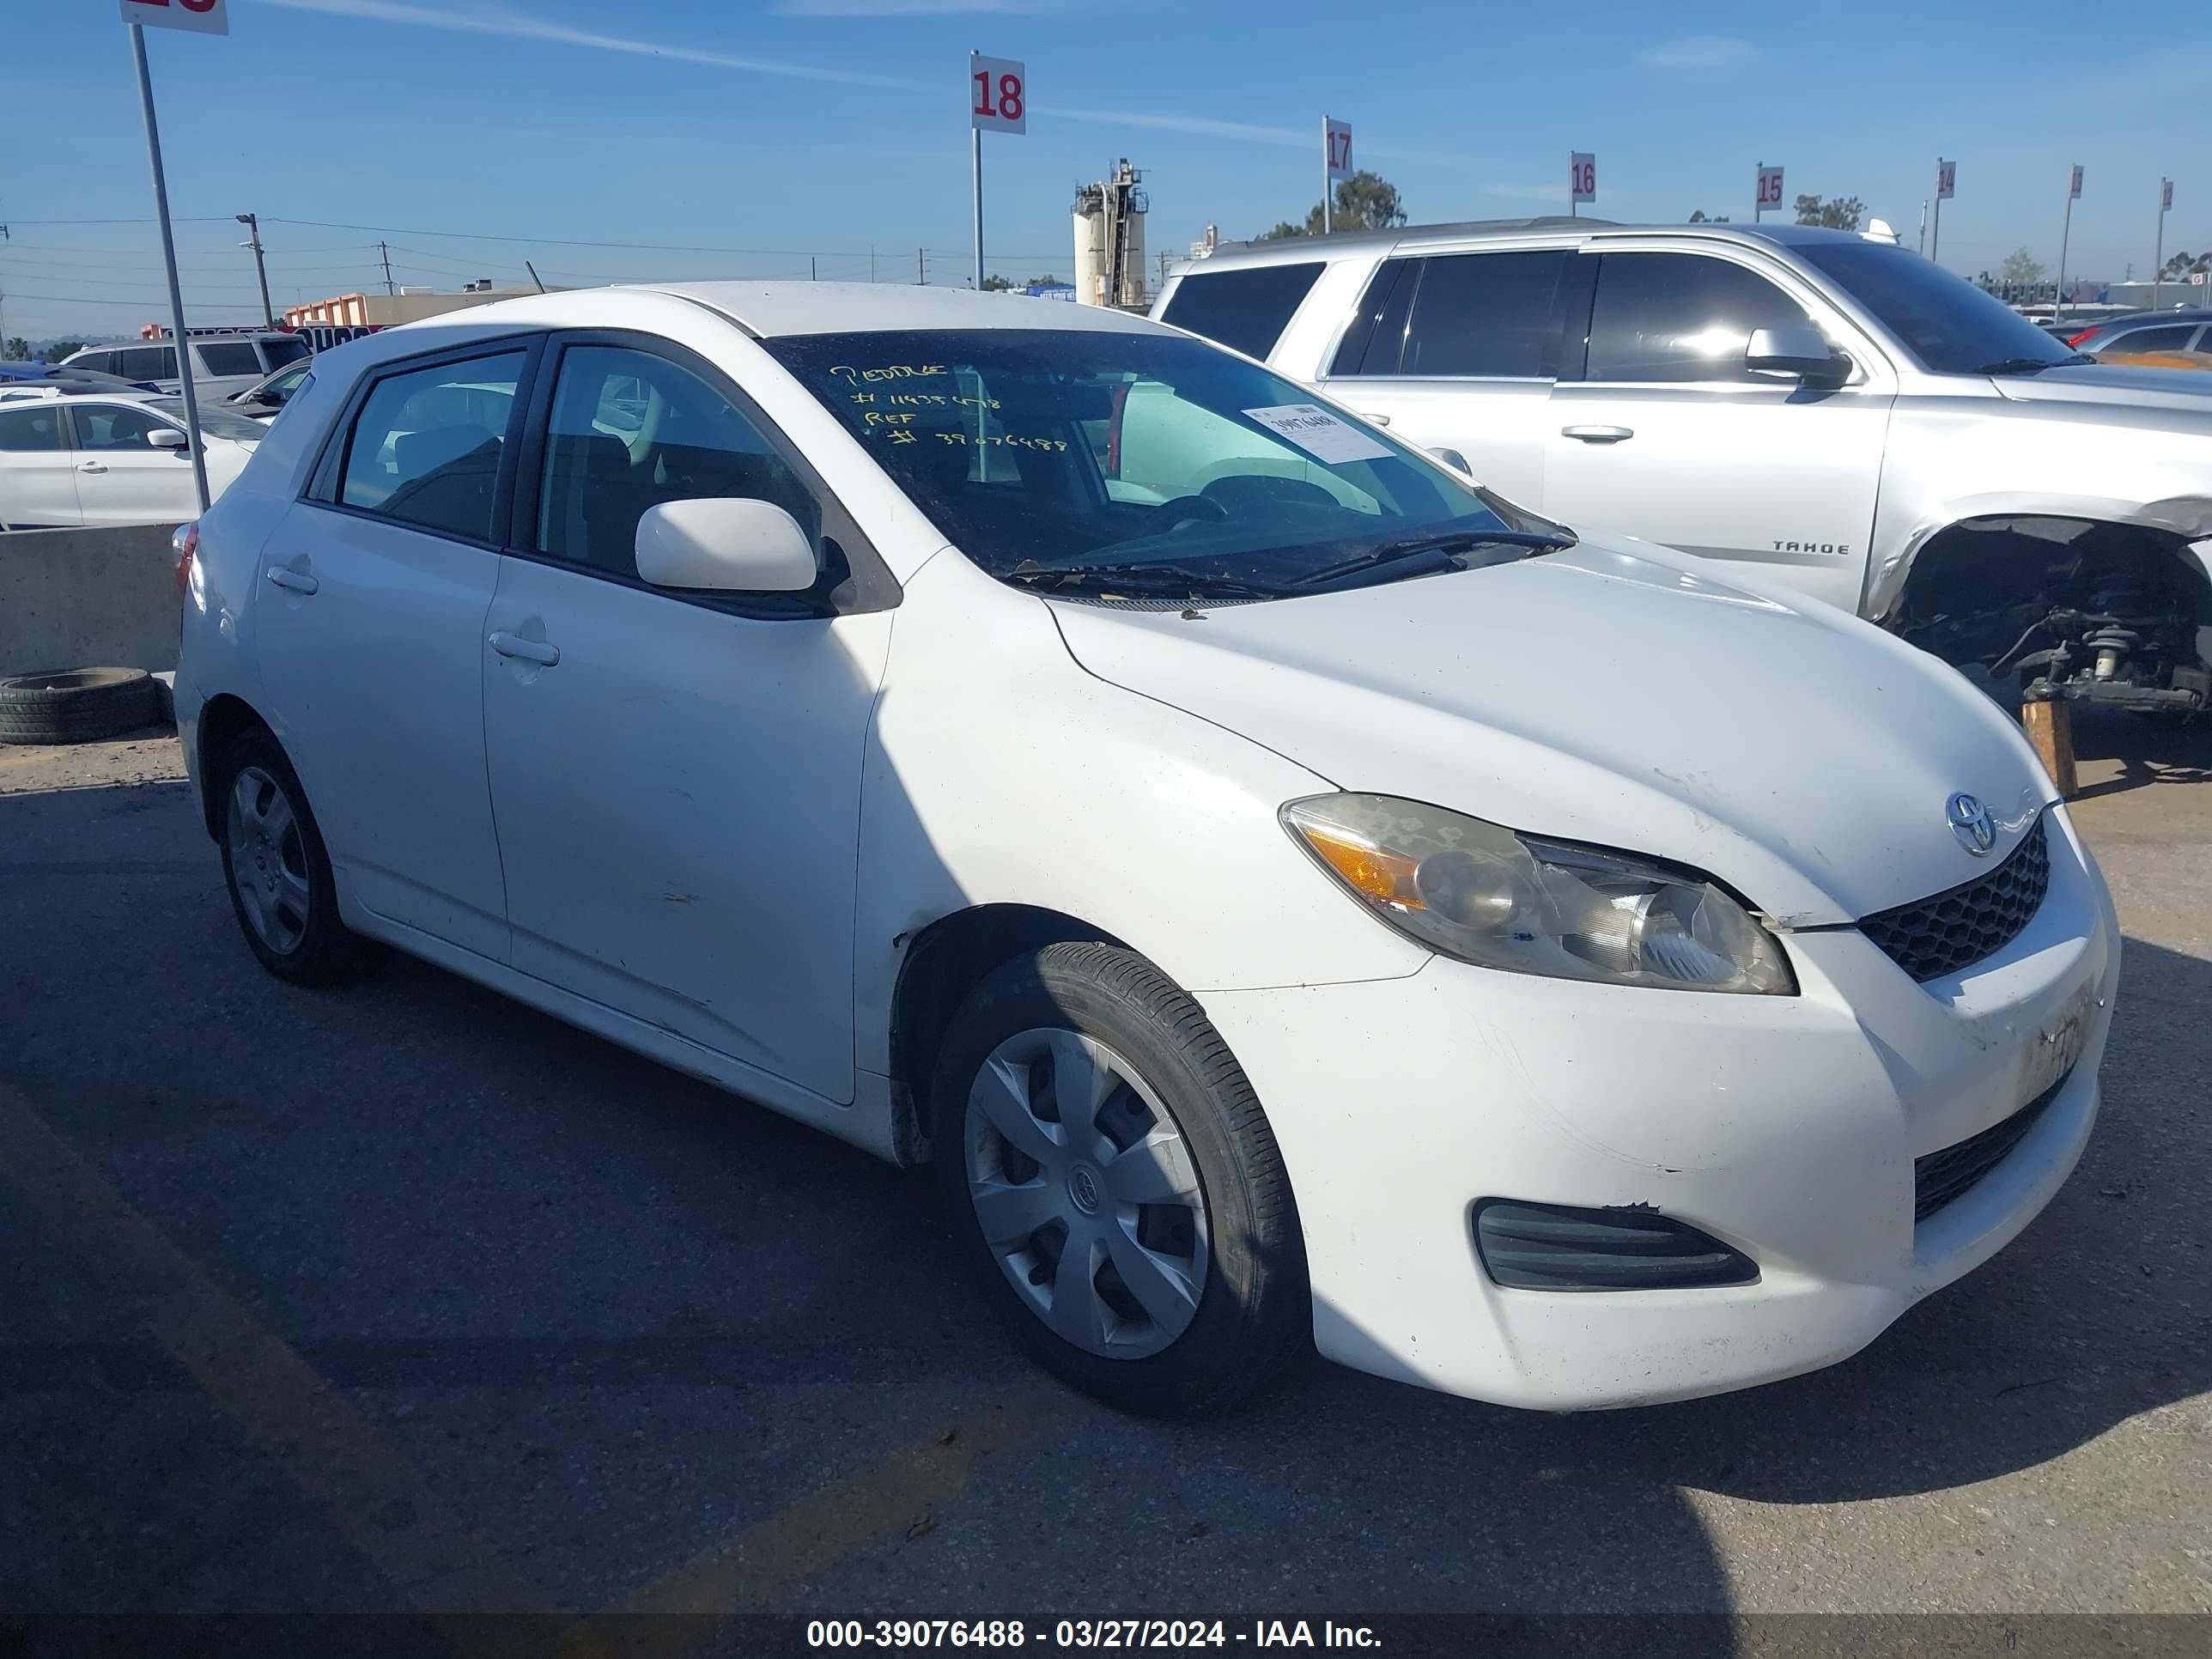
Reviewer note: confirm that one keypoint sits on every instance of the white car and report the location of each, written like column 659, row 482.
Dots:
column 1292, row 897
column 222, row 362
column 112, row 458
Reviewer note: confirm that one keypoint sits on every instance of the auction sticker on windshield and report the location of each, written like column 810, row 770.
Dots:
column 1320, row 434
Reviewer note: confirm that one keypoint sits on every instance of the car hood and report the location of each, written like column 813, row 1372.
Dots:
column 1802, row 758
column 2185, row 390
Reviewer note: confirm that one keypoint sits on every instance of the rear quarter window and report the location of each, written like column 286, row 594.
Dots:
column 1245, row 309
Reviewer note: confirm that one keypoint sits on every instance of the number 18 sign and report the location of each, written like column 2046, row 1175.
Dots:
column 201, row 16
column 997, row 94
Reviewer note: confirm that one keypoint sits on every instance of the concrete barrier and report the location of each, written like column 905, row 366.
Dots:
column 100, row 597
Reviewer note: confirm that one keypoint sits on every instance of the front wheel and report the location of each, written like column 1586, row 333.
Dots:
column 1109, row 1170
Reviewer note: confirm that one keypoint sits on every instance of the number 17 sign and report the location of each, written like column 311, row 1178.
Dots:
column 202, row 16
column 1336, row 148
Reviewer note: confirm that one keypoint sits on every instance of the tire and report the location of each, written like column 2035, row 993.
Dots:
column 77, row 705
column 276, row 869
column 1220, row 1227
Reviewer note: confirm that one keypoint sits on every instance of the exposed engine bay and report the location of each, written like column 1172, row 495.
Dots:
column 2112, row 614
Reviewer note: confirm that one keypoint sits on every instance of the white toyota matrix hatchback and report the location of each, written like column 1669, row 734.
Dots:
column 1291, row 895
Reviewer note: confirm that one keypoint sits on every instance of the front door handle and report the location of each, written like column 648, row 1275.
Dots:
column 297, row 581
column 1598, row 435
column 537, row 651
column 92, row 466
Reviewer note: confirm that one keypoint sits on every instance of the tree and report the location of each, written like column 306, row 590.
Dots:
column 995, row 283
column 1699, row 216
column 2177, row 264
column 2022, row 266
column 1048, row 282
column 1844, row 213
column 1365, row 201
column 58, row 350
column 17, row 350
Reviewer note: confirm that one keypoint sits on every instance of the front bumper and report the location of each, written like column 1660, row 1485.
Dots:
column 1784, row 1127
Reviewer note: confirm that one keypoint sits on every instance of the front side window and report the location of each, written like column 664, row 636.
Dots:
column 1680, row 317
column 230, row 357
column 425, row 448
column 114, row 426
column 1037, row 450
column 1487, row 314
column 1244, row 308
column 1949, row 325
column 27, row 430
column 631, row 431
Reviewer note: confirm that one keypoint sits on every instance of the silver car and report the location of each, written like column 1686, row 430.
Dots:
column 1822, row 409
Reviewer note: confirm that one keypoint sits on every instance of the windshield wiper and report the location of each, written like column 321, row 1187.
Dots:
column 1097, row 580
column 1418, row 547
column 2032, row 365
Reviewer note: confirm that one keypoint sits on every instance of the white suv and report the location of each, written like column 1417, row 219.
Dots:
column 221, row 364
column 1824, row 411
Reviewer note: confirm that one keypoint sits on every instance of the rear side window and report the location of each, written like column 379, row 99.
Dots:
column 230, row 357
column 1680, row 317
column 2174, row 336
column 1244, row 308
column 425, row 448
column 148, row 363
column 1486, row 313
column 99, row 362
column 38, row 428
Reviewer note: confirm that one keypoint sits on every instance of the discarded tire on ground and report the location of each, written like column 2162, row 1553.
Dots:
column 76, row 705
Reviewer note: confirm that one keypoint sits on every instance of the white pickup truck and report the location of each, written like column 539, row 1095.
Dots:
column 1823, row 409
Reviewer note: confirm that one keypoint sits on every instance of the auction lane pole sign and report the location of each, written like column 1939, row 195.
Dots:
column 998, row 101
column 1582, row 178
column 1335, row 164
column 2158, row 259
column 2065, row 234
column 1769, row 191
column 201, row 17
column 1947, row 177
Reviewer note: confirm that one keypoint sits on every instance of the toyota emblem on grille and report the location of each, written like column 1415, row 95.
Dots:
column 1970, row 822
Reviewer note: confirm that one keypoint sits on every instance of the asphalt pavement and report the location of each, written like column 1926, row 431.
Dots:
column 405, row 1298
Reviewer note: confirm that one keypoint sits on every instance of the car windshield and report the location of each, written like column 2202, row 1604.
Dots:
column 1949, row 325
column 1051, row 450
column 216, row 423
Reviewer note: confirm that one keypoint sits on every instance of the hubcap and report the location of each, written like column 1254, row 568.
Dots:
column 1086, row 1193
column 268, row 860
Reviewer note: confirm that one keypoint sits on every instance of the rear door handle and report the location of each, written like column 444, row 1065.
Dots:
column 92, row 466
column 297, row 582
column 537, row 651
column 1598, row 435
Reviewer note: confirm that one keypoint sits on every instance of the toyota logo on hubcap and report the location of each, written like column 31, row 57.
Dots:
column 1970, row 822
column 1082, row 1188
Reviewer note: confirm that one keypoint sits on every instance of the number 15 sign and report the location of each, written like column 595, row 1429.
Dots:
column 202, row 16
column 997, row 94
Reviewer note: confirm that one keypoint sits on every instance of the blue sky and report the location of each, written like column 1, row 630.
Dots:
column 825, row 126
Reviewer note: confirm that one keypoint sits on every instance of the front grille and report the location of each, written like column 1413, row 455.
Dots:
column 1968, row 924
column 1943, row 1176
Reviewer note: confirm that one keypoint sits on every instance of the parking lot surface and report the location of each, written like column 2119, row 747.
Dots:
column 405, row 1298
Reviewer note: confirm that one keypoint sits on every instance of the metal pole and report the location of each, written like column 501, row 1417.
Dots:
column 169, row 266
column 975, row 160
column 385, row 249
column 2065, row 234
column 1757, row 192
column 253, row 223
column 1572, row 182
column 1923, row 228
column 1325, row 159
column 1935, row 244
column 2158, row 259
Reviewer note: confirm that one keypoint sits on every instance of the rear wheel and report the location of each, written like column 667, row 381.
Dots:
column 1109, row 1170
column 276, row 867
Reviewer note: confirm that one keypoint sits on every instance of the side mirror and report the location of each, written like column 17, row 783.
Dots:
column 167, row 437
column 1452, row 458
column 1799, row 351
column 725, row 543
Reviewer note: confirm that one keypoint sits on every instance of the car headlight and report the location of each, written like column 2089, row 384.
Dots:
column 1479, row 892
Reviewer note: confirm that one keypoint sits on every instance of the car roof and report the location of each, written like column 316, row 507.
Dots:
column 2149, row 320
column 765, row 310
column 1292, row 250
